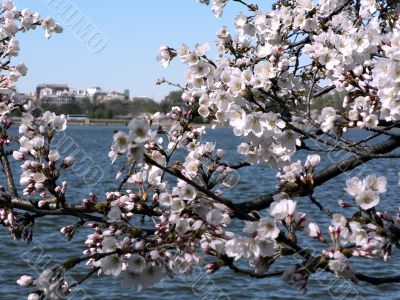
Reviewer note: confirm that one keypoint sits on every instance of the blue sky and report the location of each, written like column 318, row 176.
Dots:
column 134, row 31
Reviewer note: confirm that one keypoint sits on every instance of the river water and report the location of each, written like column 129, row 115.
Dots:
column 49, row 248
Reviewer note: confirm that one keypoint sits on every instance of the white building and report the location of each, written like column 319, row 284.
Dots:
column 62, row 94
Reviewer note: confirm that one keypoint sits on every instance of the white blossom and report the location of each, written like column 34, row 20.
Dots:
column 25, row 281
column 367, row 199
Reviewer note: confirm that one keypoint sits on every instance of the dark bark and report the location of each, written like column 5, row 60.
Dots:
column 328, row 173
column 7, row 171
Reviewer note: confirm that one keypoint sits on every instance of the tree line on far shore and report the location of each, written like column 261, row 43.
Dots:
column 116, row 108
column 136, row 106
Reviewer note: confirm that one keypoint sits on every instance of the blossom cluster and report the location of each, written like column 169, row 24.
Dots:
column 40, row 162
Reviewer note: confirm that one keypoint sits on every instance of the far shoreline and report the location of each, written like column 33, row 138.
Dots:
column 120, row 122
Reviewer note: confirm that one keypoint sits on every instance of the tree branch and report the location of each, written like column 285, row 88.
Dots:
column 378, row 280
column 228, row 203
column 7, row 170
column 328, row 173
column 73, row 210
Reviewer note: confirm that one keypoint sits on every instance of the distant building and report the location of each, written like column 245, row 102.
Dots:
column 94, row 90
column 80, row 95
column 127, row 94
column 95, row 93
column 114, row 96
column 50, row 89
column 61, row 94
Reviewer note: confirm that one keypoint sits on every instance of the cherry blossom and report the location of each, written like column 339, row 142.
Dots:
column 171, row 207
